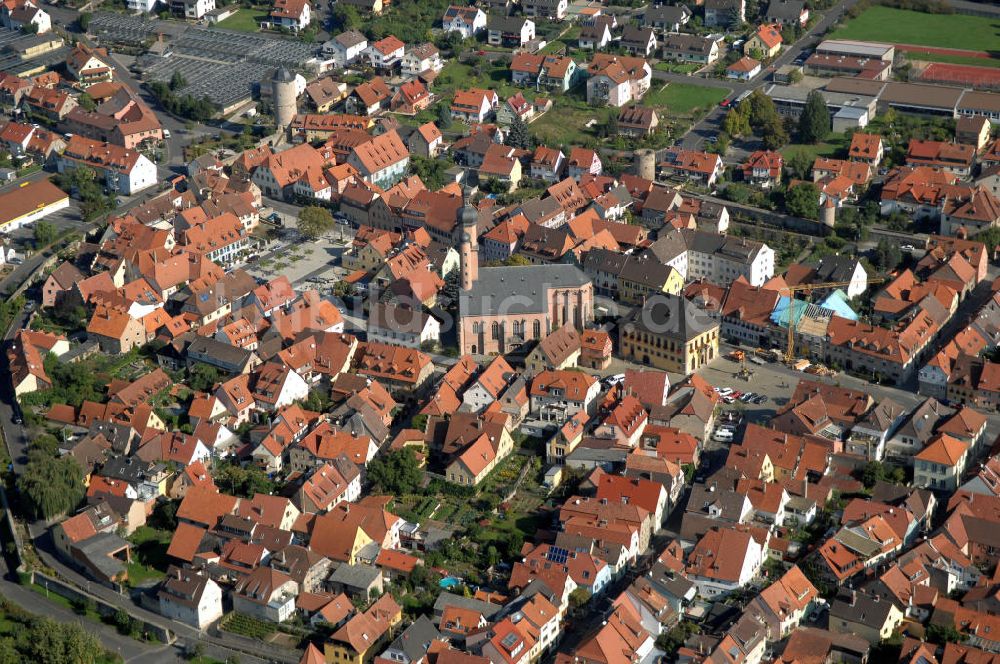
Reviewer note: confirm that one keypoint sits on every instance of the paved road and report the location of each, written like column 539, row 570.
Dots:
column 130, row 649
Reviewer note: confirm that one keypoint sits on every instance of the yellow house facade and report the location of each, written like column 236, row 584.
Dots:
column 634, row 286
column 478, row 459
column 669, row 333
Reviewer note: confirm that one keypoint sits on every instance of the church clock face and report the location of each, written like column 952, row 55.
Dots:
column 466, row 237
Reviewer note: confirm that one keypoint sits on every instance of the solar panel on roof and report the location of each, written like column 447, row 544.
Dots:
column 557, row 554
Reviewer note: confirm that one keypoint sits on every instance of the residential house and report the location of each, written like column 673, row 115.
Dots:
column 266, row 594
column 509, row 31
column 596, row 34
column 787, row 13
column 346, row 47
column 465, row 20
column 190, row 597
column 617, row 80
column 637, row 121
column 766, row 42
column 558, row 395
column 666, row 18
column 386, row 53
column 120, row 170
column 681, row 47
column 724, row 13
column 763, row 168
column 640, row 41
column 422, row 58
column 554, row 10
column 724, row 560
column 744, row 69
column 364, row 634
column 474, row 105
column 294, row 15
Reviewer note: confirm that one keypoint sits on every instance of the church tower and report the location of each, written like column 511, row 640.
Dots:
column 468, row 217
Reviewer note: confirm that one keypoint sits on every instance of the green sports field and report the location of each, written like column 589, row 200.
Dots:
column 900, row 26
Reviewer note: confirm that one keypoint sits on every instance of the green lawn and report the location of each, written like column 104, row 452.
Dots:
column 683, row 98
column 886, row 24
column 149, row 555
column 564, row 123
column 834, row 146
column 818, row 150
column 954, row 59
column 245, row 20
column 677, row 67
column 458, row 76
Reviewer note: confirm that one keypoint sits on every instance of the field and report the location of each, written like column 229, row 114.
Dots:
column 678, row 67
column 238, row 623
column 900, row 26
column 829, row 148
column 682, row 98
column 952, row 59
column 245, row 20
column 565, row 123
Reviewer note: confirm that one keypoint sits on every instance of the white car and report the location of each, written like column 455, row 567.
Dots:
column 611, row 381
column 726, row 391
column 723, row 436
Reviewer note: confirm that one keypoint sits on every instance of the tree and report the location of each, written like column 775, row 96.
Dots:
column 243, row 482
column 799, row 165
column 610, row 128
column 814, row 123
column 343, row 290
column 774, row 133
column 942, row 634
column 177, row 81
column 84, row 21
column 876, row 471
column 494, row 186
column 50, row 486
column 444, row 116
column 886, row 256
column 803, row 201
column 86, row 102
column 419, row 422
column 761, row 110
column 578, row 598
column 45, row 234
column 203, row 377
column 396, row 473
column 519, row 136
column 123, row 622
column 737, row 121
column 737, row 193
column 346, row 16
column 314, row 221
column 517, row 260
column 430, row 171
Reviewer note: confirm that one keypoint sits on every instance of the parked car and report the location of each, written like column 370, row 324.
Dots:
column 723, row 436
column 615, row 379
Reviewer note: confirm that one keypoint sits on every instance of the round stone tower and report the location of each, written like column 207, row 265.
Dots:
column 829, row 213
column 283, row 95
column 645, row 164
